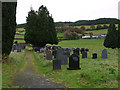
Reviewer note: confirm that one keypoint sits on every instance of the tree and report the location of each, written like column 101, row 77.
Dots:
column 118, row 36
column 111, row 38
column 91, row 34
column 40, row 28
column 8, row 26
column 92, row 27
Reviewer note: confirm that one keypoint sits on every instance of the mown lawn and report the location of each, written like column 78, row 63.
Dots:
column 94, row 73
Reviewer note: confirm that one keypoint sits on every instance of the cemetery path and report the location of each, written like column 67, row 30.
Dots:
column 27, row 78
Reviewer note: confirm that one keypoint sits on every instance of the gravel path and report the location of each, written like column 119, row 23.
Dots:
column 29, row 79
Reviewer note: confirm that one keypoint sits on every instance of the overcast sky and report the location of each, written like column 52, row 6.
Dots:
column 70, row 10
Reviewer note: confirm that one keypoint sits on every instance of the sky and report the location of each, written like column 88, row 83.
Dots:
column 69, row 10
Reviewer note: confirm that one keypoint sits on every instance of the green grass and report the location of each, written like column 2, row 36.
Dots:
column 96, row 32
column 94, row 73
column 15, row 63
column 19, row 41
column 19, row 36
column 59, row 34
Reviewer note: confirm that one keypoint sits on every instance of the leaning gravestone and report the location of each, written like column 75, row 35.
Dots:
column 74, row 62
column 56, row 65
column 94, row 56
column 104, row 54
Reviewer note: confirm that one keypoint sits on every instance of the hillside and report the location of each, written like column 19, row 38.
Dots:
column 82, row 22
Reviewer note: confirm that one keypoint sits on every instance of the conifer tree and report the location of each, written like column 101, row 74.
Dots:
column 40, row 28
column 8, row 26
column 111, row 38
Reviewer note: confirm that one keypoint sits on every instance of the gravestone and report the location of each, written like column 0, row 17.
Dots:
column 74, row 62
column 56, row 65
column 82, row 50
column 49, row 56
column 64, row 60
column 104, row 54
column 86, row 49
column 18, row 49
column 84, row 54
column 76, row 51
column 54, row 53
column 94, row 56
column 61, row 57
column 13, row 48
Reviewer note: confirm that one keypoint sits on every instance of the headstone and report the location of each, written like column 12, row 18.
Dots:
column 104, row 54
column 18, row 49
column 76, row 51
column 64, row 60
column 84, row 54
column 56, row 65
column 82, row 50
column 54, row 53
column 13, row 48
column 61, row 57
column 94, row 56
column 86, row 49
column 73, row 62
column 49, row 56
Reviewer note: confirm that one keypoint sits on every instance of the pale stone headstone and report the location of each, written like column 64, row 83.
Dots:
column 104, row 54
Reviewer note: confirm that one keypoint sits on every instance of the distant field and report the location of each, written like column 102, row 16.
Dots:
column 96, row 32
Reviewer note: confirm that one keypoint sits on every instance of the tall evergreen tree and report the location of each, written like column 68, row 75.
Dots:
column 8, row 26
column 111, row 38
column 118, row 35
column 40, row 28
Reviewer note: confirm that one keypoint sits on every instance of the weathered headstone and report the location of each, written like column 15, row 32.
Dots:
column 84, row 54
column 73, row 62
column 13, row 48
column 94, row 56
column 18, row 49
column 104, row 54
column 49, row 56
column 64, row 60
column 61, row 57
column 56, row 65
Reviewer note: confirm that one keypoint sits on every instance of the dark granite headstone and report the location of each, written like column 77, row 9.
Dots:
column 94, row 56
column 56, row 65
column 82, row 50
column 73, row 62
column 104, row 54
column 76, row 51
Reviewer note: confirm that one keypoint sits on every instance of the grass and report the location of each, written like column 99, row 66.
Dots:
column 94, row 73
column 96, row 32
column 15, row 63
column 59, row 34
column 19, row 36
